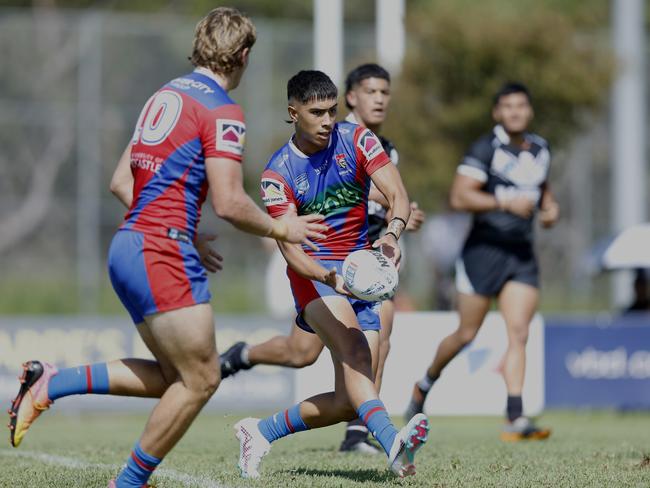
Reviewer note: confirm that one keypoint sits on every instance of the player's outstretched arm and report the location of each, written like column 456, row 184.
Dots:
column 122, row 180
column 232, row 203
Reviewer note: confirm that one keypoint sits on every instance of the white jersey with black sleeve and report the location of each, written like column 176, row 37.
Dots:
column 506, row 171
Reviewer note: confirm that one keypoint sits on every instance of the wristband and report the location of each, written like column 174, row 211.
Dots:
column 393, row 234
column 399, row 218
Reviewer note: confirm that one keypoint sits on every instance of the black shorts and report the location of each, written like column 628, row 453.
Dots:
column 484, row 267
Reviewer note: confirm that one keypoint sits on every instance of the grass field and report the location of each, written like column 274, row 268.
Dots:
column 589, row 449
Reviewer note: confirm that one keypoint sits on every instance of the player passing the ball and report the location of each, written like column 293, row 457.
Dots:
column 503, row 181
column 326, row 167
column 189, row 138
column 367, row 97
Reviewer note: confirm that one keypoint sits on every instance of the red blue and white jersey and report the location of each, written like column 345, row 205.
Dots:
column 189, row 119
column 333, row 182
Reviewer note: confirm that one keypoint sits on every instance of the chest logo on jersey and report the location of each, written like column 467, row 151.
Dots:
column 340, row 161
column 369, row 145
column 273, row 192
column 302, row 183
column 231, row 135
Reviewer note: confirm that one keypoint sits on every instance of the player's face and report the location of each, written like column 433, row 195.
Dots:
column 314, row 121
column 369, row 100
column 513, row 112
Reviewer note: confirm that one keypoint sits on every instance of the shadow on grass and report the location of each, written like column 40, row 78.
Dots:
column 360, row 475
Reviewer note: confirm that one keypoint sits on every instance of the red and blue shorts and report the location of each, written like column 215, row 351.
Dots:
column 153, row 274
column 305, row 291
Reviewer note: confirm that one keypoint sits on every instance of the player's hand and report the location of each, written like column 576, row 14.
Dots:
column 389, row 247
column 210, row 258
column 521, row 206
column 301, row 230
column 416, row 219
column 337, row 282
column 549, row 214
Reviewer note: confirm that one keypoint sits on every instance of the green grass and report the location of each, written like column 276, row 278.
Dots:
column 590, row 449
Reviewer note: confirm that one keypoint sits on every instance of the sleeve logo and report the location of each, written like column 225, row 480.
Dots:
column 273, row 192
column 231, row 135
column 369, row 145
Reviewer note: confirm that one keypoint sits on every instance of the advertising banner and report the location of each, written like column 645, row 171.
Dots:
column 470, row 385
column 74, row 341
column 597, row 362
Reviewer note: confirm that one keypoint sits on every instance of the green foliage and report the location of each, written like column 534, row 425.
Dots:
column 285, row 9
column 461, row 52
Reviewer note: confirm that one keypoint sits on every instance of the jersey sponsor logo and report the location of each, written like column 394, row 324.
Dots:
column 340, row 161
column 302, row 183
column 145, row 161
column 369, row 145
column 273, row 192
column 231, row 135
column 187, row 84
column 335, row 198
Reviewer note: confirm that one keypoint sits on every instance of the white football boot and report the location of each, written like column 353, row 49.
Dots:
column 408, row 440
column 253, row 446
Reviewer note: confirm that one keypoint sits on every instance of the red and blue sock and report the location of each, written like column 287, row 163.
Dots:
column 282, row 424
column 92, row 378
column 139, row 468
column 374, row 415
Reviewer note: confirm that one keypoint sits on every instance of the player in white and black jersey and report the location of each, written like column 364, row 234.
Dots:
column 503, row 181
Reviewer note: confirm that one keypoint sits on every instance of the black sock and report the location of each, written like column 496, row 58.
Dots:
column 514, row 407
column 356, row 430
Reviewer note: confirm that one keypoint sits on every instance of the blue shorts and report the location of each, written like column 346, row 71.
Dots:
column 153, row 274
column 305, row 291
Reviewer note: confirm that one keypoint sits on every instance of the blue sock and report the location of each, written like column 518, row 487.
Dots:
column 282, row 424
column 374, row 415
column 138, row 469
column 78, row 381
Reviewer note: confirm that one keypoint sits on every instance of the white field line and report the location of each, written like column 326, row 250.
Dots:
column 72, row 463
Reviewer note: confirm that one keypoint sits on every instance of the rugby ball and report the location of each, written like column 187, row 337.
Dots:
column 370, row 275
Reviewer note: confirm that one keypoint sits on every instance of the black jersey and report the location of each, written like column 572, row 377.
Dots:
column 377, row 213
column 506, row 171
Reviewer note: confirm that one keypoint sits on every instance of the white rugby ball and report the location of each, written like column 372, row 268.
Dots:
column 370, row 275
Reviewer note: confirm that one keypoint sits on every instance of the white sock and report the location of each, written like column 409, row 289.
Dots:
column 426, row 382
column 244, row 355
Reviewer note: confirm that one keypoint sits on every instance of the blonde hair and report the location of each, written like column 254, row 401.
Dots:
column 219, row 39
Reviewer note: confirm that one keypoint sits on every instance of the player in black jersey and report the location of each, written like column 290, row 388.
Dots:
column 503, row 181
column 367, row 98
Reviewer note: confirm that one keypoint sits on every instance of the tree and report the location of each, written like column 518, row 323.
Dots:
column 460, row 52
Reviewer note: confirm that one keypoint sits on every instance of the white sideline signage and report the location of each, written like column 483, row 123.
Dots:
column 470, row 385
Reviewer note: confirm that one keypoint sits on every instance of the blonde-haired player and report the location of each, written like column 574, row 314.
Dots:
column 189, row 138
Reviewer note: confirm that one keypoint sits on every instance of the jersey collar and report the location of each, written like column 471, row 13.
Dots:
column 301, row 154
column 206, row 72
column 351, row 118
column 503, row 137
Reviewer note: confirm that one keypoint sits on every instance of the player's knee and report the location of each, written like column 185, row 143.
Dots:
column 518, row 335
column 465, row 336
column 206, row 382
